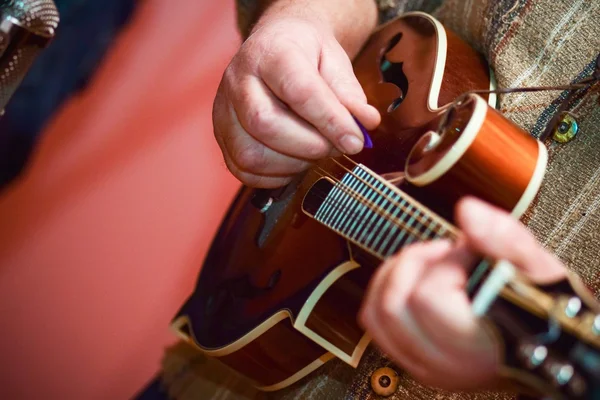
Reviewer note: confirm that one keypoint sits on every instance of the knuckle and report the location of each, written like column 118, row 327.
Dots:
column 297, row 91
column 317, row 150
column 244, row 177
column 251, row 157
column 419, row 298
column 229, row 75
column 331, row 126
column 260, row 121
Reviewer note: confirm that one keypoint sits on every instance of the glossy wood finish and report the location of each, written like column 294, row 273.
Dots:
column 521, row 319
column 438, row 67
column 263, row 362
column 334, row 316
column 499, row 160
column 262, row 263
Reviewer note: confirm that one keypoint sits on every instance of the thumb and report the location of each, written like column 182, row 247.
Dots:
column 494, row 233
column 337, row 71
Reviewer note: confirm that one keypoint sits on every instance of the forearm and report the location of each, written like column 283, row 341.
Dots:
column 351, row 21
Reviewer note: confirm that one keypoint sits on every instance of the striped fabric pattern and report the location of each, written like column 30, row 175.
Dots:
column 527, row 42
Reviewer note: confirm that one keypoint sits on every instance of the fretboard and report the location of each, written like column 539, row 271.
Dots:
column 369, row 213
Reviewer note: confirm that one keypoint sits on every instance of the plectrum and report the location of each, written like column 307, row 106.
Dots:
column 368, row 141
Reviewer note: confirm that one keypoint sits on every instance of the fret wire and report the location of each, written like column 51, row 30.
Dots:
column 354, row 184
column 328, row 210
column 386, row 208
column 377, row 242
column 343, row 198
column 412, row 238
column 372, row 218
column 359, row 206
column 429, row 230
column 359, row 166
column 393, row 228
column 359, row 169
column 332, row 198
column 359, row 209
column 399, row 230
column 353, row 230
column 396, row 243
column 338, row 212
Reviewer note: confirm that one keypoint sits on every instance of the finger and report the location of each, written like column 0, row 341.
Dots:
column 467, row 353
column 378, row 312
column 266, row 119
column 494, row 233
column 441, row 297
column 297, row 82
column 247, row 178
column 338, row 72
column 250, row 155
column 398, row 278
column 461, row 354
column 384, row 312
column 250, row 179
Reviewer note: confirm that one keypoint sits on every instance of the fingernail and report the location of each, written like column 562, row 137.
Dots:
column 351, row 144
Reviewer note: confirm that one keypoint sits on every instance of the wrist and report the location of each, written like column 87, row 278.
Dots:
column 351, row 23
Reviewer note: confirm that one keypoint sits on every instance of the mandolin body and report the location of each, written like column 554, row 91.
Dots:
column 278, row 293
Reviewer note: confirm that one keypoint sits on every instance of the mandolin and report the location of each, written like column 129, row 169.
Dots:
column 281, row 286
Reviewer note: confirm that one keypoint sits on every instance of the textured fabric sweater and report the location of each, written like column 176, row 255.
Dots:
column 527, row 43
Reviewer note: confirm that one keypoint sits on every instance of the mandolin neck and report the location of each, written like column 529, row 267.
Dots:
column 547, row 344
column 372, row 213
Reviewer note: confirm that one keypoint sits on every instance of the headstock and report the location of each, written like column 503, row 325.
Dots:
column 549, row 335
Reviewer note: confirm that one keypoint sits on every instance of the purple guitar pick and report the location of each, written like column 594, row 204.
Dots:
column 368, row 141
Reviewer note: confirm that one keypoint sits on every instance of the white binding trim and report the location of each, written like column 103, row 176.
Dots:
column 300, row 324
column 440, row 64
column 458, row 149
column 440, row 60
column 493, row 97
column 534, row 184
column 298, row 375
column 502, row 273
column 238, row 344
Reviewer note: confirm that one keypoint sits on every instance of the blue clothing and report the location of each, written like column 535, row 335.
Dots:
column 86, row 30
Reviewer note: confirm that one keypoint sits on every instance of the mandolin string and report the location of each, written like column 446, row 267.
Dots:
column 415, row 204
column 428, row 225
column 456, row 102
column 388, row 217
column 419, row 214
column 337, row 204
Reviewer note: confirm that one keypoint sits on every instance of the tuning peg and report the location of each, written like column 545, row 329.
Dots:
column 561, row 373
column 596, row 326
column 534, row 355
column 573, row 307
column 565, row 376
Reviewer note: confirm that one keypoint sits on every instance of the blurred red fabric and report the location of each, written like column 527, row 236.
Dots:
column 102, row 239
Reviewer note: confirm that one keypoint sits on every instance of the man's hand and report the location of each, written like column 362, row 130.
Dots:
column 417, row 309
column 288, row 97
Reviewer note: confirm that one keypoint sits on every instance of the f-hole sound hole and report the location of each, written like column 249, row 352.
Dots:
column 393, row 42
column 393, row 73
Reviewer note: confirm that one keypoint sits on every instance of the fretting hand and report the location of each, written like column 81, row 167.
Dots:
column 417, row 309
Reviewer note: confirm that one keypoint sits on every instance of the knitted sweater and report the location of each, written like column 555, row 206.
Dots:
column 527, row 43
